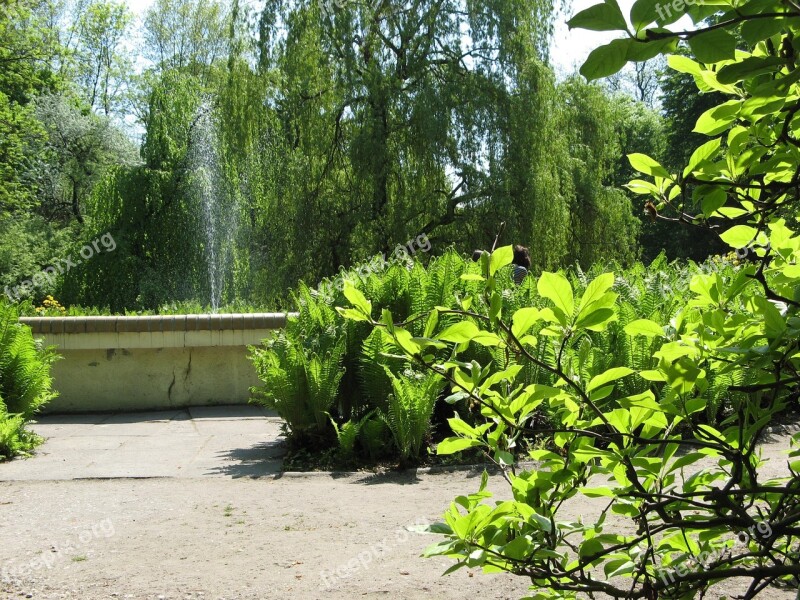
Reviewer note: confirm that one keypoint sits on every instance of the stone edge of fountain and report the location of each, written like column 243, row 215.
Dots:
column 155, row 323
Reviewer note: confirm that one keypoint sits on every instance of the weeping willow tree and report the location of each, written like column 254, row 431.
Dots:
column 347, row 129
column 392, row 119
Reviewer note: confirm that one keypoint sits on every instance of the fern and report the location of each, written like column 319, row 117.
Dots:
column 25, row 383
column 410, row 410
column 348, row 434
column 375, row 383
column 375, row 437
column 281, row 367
column 323, row 374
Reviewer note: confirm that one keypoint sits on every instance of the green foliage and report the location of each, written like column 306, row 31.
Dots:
column 411, row 291
column 626, row 392
column 410, row 408
column 281, row 366
column 25, row 383
column 637, row 433
column 301, row 384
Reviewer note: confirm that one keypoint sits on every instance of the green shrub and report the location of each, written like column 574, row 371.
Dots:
column 25, row 383
column 628, row 434
column 369, row 358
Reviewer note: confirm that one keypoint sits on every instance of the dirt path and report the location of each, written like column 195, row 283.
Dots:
column 310, row 537
column 219, row 536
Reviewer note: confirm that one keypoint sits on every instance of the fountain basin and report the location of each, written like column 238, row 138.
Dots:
column 152, row 362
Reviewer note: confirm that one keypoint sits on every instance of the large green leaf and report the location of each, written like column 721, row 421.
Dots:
column 556, row 288
column 739, row 236
column 459, row 333
column 713, row 46
column 644, row 327
column 500, row 258
column 600, row 17
column 608, row 376
column 606, row 60
column 523, row 320
column 645, row 164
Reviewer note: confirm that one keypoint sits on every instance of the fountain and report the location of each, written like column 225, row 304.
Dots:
column 119, row 363
column 207, row 185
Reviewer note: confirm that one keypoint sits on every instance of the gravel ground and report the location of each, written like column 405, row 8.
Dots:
column 222, row 537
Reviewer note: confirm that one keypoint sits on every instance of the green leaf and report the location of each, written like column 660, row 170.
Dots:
column 500, row 258
column 523, row 320
column 595, row 290
column 352, row 314
column 640, row 51
column 644, row 327
column 702, row 154
column 749, row 68
column 590, row 547
column 600, row 17
column 756, row 30
column 599, row 381
column 357, row 299
column 713, row 46
column 712, row 200
column 459, row 333
column 455, row 444
column 644, row 12
column 556, row 288
column 606, row 60
column 642, row 187
column 595, row 319
column 774, row 323
column 645, row 164
column 719, row 118
column 684, row 64
column 739, row 236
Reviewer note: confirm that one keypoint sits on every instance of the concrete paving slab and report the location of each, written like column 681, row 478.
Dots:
column 230, row 441
column 223, row 412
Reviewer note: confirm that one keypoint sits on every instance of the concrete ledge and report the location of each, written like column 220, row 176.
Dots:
column 153, row 362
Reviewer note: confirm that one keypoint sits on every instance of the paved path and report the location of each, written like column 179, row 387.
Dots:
column 224, row 441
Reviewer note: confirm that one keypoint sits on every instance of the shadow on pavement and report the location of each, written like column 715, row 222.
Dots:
column 262, row 460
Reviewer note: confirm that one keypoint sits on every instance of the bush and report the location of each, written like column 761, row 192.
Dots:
column 628, row 400
column 371, row 368
column 25, row 383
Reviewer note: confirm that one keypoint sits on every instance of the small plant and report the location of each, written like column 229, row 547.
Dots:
column 50, row 307
column 25, row 383
column 410, row 409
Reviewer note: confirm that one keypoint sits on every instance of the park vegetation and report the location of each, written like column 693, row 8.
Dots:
column 324, row 134
column 25, row 383
column 329, row 134
column 698, row 510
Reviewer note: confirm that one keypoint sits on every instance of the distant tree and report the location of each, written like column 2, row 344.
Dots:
column 602, row 222
column 641, row 81
column 24, row 72
column 80, row 149
column 102, row 65
column 186, row 34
